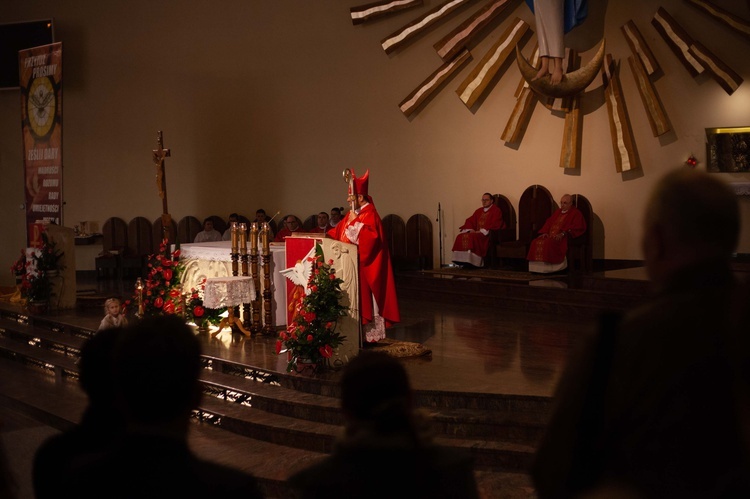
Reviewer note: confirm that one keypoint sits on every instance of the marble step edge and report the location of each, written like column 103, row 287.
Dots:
column 320, row 437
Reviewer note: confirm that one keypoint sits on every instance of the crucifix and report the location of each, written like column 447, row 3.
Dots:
column 158, row 156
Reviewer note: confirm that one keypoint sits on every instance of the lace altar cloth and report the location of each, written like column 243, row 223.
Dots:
column 228, row 291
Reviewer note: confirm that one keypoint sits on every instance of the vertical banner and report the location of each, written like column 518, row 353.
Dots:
column 41, row 118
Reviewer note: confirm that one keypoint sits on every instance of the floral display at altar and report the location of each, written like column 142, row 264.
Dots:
column 162, row 292
column 311, row 337
column 35, row 270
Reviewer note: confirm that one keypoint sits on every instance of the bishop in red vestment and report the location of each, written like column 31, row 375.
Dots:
column 472, row 243
column 547, row 252
column 363, row 227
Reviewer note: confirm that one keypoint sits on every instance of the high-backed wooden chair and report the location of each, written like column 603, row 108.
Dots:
column 187, row 228
column 395, row 235
column 580, row 249
column 310, row 223
column 140, row 245
column 419, row 242
column 534, row 208
column 157, row 234
column 114, row 243
column 508, row 234
column 219, row 223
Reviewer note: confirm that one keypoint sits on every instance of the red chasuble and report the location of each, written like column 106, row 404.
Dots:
column 546, row 249
column 476, row 242
column 375, row 271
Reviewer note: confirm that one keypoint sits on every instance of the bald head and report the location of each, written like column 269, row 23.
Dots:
column 691, row 216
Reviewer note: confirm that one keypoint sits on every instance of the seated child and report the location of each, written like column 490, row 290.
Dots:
column 114, row 316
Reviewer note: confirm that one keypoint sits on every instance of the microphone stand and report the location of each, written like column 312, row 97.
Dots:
column 440, row 235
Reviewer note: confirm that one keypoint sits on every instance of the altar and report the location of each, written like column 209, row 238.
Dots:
column 214, row 259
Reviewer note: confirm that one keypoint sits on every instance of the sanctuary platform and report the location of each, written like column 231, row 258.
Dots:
column 498, row 339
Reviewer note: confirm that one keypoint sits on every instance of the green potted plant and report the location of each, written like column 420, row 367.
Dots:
column 311, row 336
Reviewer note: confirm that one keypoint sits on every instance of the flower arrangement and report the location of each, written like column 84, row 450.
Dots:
column 312, row 335
column 197, row 313
column 49, row 255
column 36, row 287
column 162, row 289
column 19, row 266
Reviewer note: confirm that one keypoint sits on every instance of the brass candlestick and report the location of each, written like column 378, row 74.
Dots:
column 256, row 325
column 139, row 296
column 268, row 327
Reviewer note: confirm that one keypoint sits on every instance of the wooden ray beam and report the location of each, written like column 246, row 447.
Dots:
column 721, row 72
column 373, row 10
column 460, row 37
column 677, row 39
column 623, row 143
column 639, row 47
column 421, row 24
column 570, row 153
column 739, row 25
column 519, row 118
column 412, row 102
column 657, row 117
column 475, row 84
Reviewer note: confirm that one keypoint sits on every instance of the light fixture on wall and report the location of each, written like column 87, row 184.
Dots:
column 691, row 161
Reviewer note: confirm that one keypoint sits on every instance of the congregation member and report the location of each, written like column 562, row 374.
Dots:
column 377, row 287
column 382, row 428
column 291, row 225
column 473, row 241
column 208, row 234
column 655, row 404
column 156, row 367
column 227, row 236
column 113, row 314
column 548, row 252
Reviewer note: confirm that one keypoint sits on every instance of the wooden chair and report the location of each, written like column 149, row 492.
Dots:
column 419, row 242
column 187, row 228
column 140, row 245
column 157, row 234
column 508, row 234
column 219, row 223
column 310, row 223
column 534, row 208
column 580, row 249
column 395, row 235
column 114, row 242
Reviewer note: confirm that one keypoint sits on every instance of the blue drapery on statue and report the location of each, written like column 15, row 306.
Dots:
column 574, row 14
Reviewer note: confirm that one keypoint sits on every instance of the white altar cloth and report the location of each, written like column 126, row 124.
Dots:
column 214, row 259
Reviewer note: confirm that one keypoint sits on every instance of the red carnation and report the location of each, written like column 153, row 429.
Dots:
column 198, row 311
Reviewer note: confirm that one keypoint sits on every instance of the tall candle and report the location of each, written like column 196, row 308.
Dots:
column 254, row 236
column 243, row 236
column 264, row 237
column 234, row 236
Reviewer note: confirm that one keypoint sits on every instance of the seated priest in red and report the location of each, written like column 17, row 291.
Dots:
column 291, row 225
column 548, row 251
column 323, row 225
column 377, row 288
column 472, row 243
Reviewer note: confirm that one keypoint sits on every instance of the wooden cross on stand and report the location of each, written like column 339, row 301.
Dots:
column 158, row 156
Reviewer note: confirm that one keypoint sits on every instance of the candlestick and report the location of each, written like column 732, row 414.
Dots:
column 264, row 237
column 243, row 236
column 254, row 237
column 233, row 229
column 139, row 295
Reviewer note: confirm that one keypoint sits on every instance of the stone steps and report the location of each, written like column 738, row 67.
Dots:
column 266, row 421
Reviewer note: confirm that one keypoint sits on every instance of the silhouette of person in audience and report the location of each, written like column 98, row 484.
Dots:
column 383, row 431
column 101, row 424
column 649, row 406
column 156, row 370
